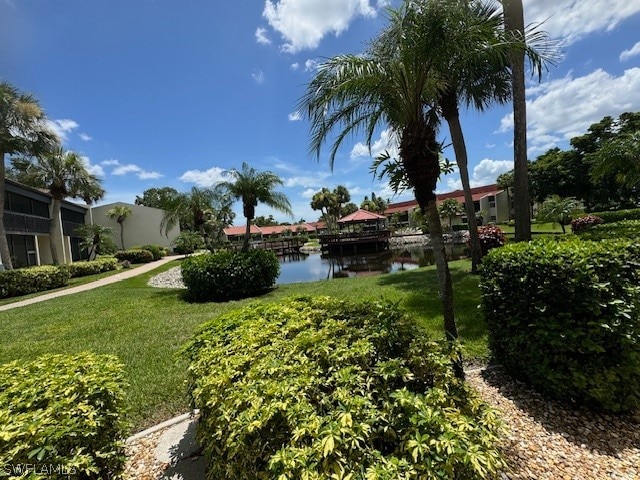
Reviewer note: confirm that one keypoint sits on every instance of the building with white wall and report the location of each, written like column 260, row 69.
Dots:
column 142, row 227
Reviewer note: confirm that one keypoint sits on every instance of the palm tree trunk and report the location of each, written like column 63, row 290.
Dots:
column 247, row 236
column 419, row 152
column 451, row 115
column 122, row 235
column 5, row 254
column 55, row 234
column 514, row 22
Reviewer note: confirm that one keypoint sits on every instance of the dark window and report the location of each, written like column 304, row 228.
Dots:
column 19, row 204
column 22, row 249
column 476, row 205
column 40, row 209
column 71, row 216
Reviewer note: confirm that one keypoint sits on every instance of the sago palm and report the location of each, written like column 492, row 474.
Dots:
column 254, row 187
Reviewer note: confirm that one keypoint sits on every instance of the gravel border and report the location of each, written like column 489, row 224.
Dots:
column 548, row 440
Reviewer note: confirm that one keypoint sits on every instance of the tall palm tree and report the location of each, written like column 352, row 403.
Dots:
column 200, row 210
column 514, row 23
column 64, row 175
column 120, row 213
column 476, row 72
column 392, row 84
column 22, row 131
column 253, row 187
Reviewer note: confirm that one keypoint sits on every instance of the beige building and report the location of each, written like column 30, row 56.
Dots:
column 142, row 227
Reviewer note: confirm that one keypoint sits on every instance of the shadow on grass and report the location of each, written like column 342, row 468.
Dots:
column 422, row 298
column 609, row 434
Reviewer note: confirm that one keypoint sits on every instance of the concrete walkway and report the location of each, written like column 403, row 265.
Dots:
column 123, row 275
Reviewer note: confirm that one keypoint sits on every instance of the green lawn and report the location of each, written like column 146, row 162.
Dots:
column 145, row 326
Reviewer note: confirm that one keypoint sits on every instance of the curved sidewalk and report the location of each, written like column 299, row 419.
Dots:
column 123, row 275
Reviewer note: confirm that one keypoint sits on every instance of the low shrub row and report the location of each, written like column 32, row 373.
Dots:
column 626, row 229
column 62, row 416
column 134, row 255
column 619, row 215
column 157, row 251
column 93, row 267
column 321, row 388
column 565, row 317
column 23, row 281
column 225, row 275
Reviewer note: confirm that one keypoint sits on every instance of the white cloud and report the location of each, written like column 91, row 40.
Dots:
column 490, row 145
column 564, row 108
column 387, row 141
column 206, row 178
column 632, row 52
column 308, row 193
column 96, row 170
column 62, row 127
column 295, row 66
column 310, row 65
column 261, row 36
column 85, row 137
column 295, row 116
column 485, row 173
column 303, row 23
column 258, row 77
column 122, row 170
column 306, row 181
column 572, row 20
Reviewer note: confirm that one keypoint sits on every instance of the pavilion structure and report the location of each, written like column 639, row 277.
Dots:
column 360, row 232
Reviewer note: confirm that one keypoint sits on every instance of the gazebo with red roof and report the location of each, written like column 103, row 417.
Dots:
column 361, row 230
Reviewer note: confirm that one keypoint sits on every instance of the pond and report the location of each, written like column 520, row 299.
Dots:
column 309, row 268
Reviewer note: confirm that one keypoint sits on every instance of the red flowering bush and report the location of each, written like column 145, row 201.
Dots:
column 584, row 223
column 490, row 237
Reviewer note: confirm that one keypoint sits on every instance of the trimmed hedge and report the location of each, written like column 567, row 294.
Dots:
column 320, row 388
column 626, row 229
column 157, row 251
column 23, row 281
column 93, row 267
column 565, row 317
column 619, row 215
column 62, row 415
column 225, row 275
column 134, row 255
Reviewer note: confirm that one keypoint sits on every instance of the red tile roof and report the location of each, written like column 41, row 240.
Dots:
column 476, row 193
column 240, row 230
column 361, row 215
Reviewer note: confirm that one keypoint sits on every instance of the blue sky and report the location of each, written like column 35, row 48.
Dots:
column 160, row 93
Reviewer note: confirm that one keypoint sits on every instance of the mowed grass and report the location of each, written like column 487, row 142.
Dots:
column 145, row 327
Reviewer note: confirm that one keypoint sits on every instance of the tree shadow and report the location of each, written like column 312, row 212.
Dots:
column 608, row 434
column 422, row 298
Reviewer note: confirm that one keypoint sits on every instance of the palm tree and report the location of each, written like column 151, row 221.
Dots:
column 93, row 238
column 449, row 209
column 120, row 213
column 514, row 23
column 392, row 84
column 475, row 72
column 201, row 211
column 64, row 175
column 22, row 131
column 253, row 187
column 558, row 210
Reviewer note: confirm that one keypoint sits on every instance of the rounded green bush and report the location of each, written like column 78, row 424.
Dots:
column 565, row 317
column 134, row 255
column 224, row 275
column 321, row 388
column 157, row 251
column 22, row 281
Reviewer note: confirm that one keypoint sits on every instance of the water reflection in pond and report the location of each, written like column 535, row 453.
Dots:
column 309, row 268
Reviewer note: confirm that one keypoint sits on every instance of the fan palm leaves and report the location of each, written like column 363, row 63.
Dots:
column 22, row 131
column 64, row 175
column 253, row 187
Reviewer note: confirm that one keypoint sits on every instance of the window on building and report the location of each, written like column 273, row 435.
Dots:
column 492, row 201
column 476, row 205
column 71, row 216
